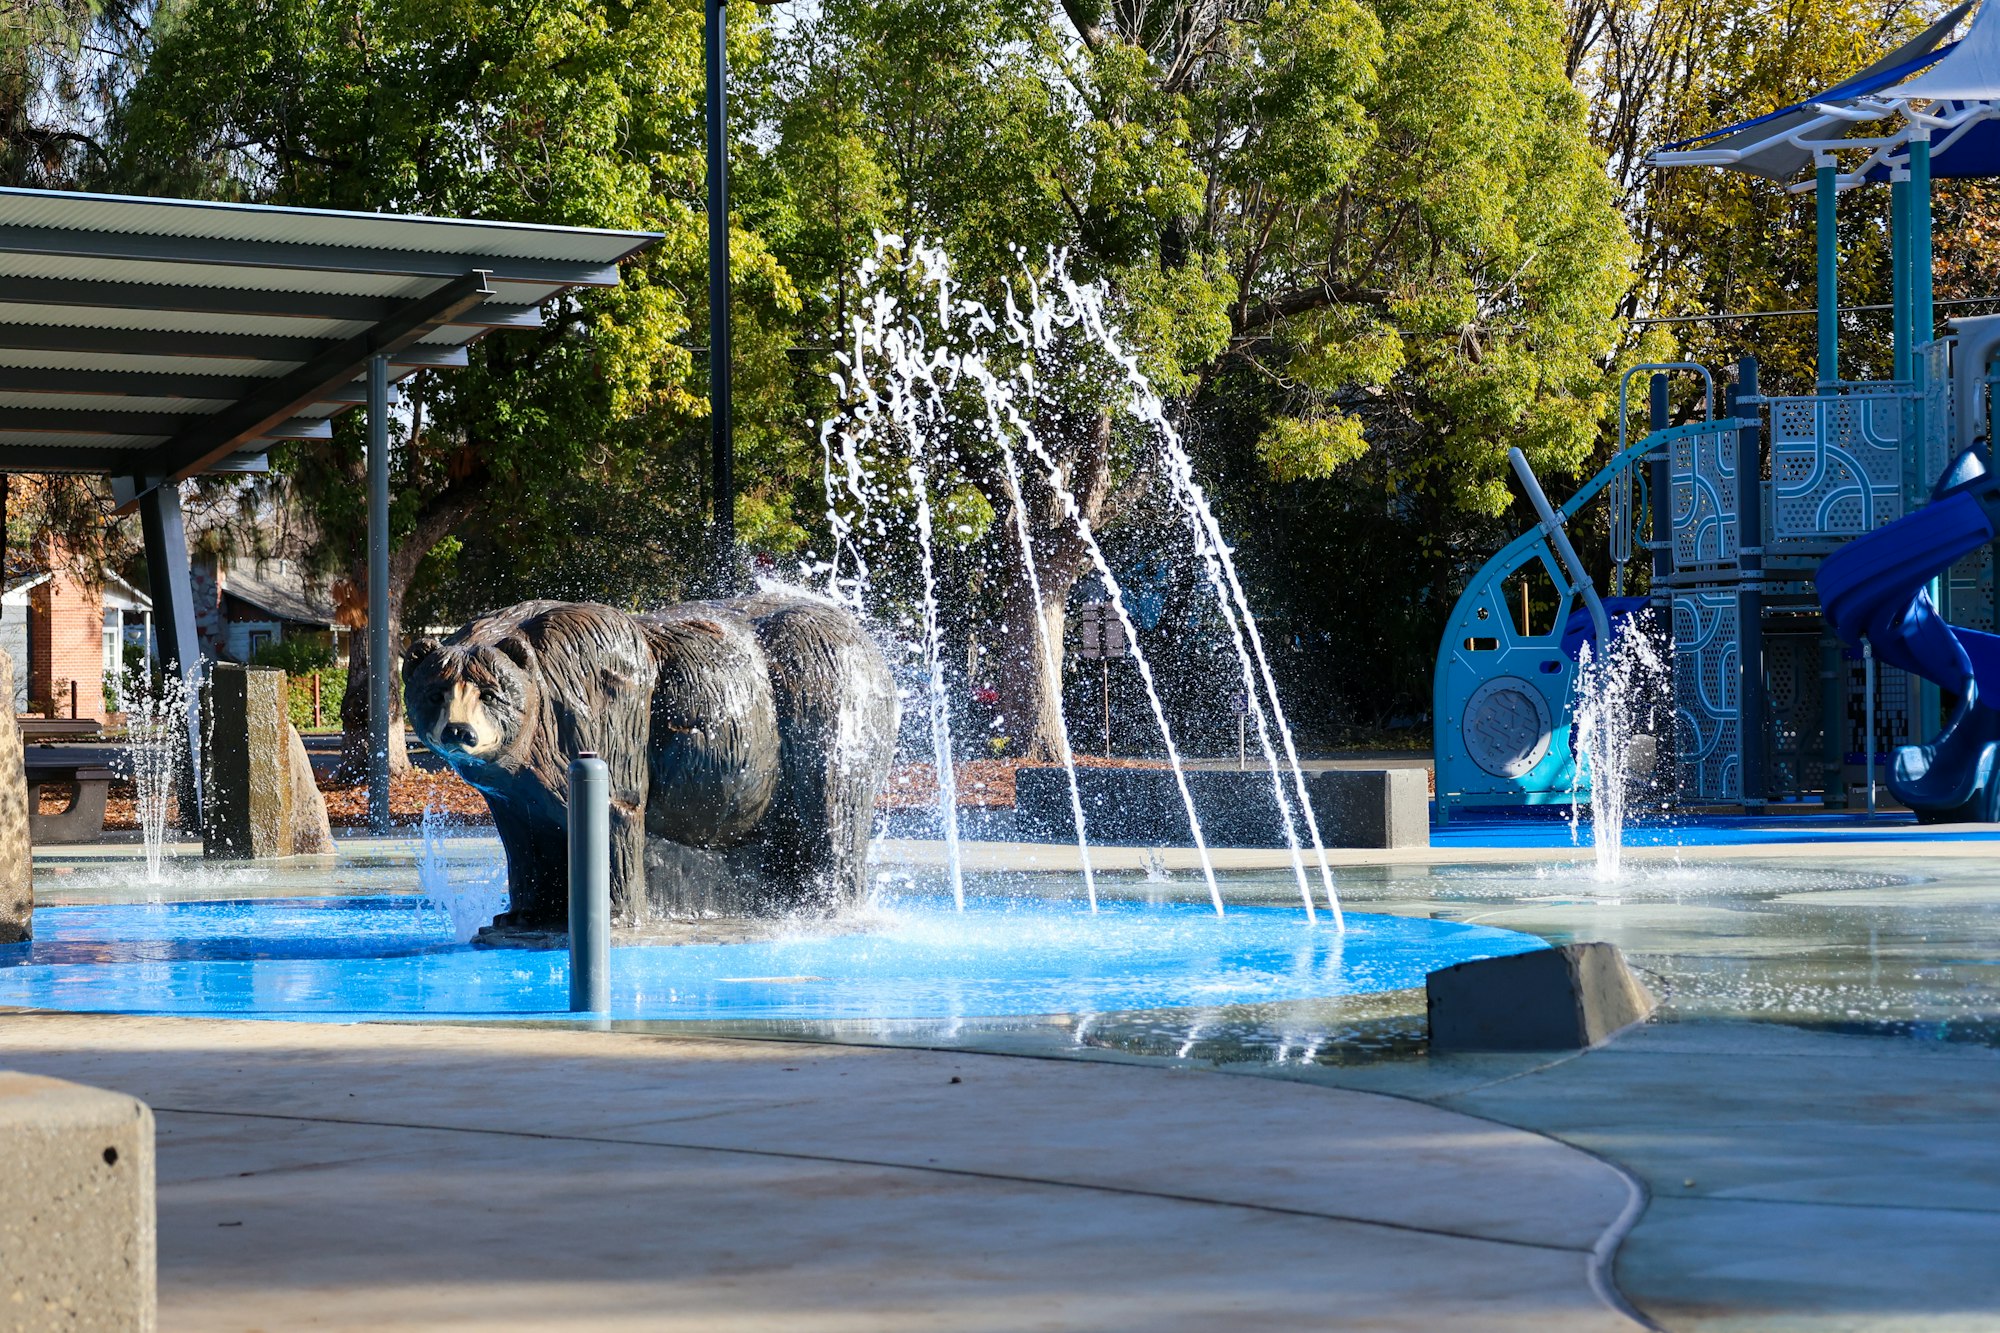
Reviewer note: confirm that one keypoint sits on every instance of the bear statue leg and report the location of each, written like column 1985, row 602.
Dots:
column 836, row 704
column 537, row 870
column 628, row 861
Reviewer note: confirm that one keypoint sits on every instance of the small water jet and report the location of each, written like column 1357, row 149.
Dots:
column 1619, row 699
column 467, row 898
column 158, row 722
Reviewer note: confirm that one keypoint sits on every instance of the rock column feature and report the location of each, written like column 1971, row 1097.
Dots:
column 77, row 1232
column 261, row 800
column 17, row 877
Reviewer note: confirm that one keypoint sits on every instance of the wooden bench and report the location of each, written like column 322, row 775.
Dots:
column 83, row 821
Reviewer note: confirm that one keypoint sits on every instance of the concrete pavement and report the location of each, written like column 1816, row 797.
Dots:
column 401, row 1176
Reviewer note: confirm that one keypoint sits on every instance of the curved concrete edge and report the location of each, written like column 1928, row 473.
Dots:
column 1604, row 1254
column 335, row 1155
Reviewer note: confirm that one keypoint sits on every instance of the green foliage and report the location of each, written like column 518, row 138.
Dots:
column 299, row 657
column 1714, row 241
column 579, row 112
column 1365, row 246
column 1301, row 448
column 332, row 689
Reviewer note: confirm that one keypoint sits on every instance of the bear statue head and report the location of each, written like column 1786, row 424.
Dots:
column 470, row 701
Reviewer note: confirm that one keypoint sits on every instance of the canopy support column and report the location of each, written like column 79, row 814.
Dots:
column 1899, row 272
column 178, row 644
column 1923, row 317
column 1753, row 701
column 380, row 669
column 1826, row 200
column 1832, row 673
column 1914, row 305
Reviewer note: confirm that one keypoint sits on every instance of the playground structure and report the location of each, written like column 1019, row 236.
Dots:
column 1874, row 498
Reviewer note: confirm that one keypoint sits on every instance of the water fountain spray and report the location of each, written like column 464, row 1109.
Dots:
column 895, row 383
column 1051, row 650
column 157, row 727
column 1220, row 566
column 1614, row 736
column 908, row 406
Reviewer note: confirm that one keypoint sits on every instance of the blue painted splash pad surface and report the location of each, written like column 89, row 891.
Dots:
column 345, row 959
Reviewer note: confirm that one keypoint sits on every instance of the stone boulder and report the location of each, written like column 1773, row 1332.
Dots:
column 17, row 868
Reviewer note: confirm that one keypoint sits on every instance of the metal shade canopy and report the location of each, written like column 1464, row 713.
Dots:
column 157, row 339
column 153, row 340
column 1779, row 144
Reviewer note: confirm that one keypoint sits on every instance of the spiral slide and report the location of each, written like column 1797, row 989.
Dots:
column 1878, row 586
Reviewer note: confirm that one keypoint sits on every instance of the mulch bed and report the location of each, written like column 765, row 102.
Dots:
column 346, row 803
column 410, row 794
column 982, row 784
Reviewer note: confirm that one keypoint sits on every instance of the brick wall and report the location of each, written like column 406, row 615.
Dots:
column 211, row 627
column 66, row 643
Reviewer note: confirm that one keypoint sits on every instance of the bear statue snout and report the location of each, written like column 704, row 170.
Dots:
column 458, row 735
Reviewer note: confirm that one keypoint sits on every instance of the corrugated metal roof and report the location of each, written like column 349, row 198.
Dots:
column 132, row 215
column 236, row 318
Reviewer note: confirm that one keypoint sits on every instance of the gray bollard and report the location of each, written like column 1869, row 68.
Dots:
column 589, row 885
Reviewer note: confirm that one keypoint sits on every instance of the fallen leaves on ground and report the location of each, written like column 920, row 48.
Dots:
column 986, row 784
column 982, row 784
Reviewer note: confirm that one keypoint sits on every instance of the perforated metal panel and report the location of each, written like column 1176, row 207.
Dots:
column 1703, row 475
column 1797, row 761
column 1707, row 697
column 1971, row 592
column 1892, row 719
column 1836, row 465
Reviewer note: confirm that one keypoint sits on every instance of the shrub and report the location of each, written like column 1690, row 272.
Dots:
column 332, row 685
column 300, row 657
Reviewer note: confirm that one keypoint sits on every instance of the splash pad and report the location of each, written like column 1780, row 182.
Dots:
column 910, row 955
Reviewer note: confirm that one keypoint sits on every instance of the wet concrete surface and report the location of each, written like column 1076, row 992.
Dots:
column 1812, row 1113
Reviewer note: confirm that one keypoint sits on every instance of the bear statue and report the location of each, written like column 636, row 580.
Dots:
column 747, row 741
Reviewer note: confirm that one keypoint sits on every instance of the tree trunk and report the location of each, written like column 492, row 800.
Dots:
column 1029, row 686
column 354, row 704
column 439, row 518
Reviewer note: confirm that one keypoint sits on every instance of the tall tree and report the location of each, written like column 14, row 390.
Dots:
column 1370, row 242
column 580, row 112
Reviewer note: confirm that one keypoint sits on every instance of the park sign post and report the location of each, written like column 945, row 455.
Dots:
column 1101, row 636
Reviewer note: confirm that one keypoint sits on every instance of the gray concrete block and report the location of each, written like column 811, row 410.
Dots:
column 1372, row 807
column 17, row 874
column 1562, row 999
column 77, row 1234
column 1143, row 806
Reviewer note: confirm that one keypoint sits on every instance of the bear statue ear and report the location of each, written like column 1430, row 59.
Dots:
column 419, row 650
column 520, row 650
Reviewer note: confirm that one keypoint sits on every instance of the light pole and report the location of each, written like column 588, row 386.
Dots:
column 380, row 697
column 721, row 439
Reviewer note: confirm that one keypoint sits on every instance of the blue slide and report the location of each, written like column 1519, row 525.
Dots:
column 1878, row 586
